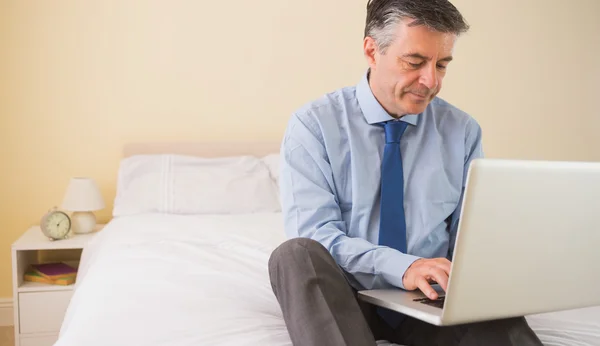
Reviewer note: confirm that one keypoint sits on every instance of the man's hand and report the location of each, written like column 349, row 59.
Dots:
column 423, row 272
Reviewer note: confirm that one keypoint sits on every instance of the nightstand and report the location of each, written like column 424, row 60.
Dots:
column 39, row 308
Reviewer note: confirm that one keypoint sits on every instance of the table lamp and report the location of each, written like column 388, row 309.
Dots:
column 83, row 198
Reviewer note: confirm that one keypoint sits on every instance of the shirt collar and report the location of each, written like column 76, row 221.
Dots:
column 372, row 109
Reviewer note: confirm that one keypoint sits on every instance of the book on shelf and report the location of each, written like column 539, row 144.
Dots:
column 57, row 273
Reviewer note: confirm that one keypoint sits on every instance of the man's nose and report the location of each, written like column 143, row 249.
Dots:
column 429, row 76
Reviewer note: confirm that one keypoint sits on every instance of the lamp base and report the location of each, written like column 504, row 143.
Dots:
column 83, row 222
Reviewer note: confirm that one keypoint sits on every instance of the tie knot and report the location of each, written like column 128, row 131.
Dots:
column 394, row 130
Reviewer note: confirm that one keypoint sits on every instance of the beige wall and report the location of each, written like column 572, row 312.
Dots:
column 79, row 79
column 528, row 71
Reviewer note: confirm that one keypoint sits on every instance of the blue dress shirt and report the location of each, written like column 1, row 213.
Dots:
column 330, row 180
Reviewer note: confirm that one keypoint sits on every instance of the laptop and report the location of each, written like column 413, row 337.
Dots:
column 528, row 242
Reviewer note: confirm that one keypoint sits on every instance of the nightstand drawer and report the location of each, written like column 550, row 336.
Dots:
column 41, row 312
column 47, row 340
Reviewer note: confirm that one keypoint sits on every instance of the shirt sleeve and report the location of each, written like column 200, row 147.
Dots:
column 311, row 210
column 473, row 150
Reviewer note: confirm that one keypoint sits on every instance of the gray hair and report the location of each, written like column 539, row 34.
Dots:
column 384, row 15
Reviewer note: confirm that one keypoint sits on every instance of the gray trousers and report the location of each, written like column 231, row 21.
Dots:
column 320, row 308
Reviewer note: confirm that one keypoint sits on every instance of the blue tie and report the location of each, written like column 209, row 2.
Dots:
column 392, row 226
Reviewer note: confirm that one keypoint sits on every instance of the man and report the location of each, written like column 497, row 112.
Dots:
column 371, row 183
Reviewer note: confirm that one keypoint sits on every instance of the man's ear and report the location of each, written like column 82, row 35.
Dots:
column 371, row 52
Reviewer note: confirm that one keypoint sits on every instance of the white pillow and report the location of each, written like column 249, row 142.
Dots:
column 179, row 184
column 272, row 161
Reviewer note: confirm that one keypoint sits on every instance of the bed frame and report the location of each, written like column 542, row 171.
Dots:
column 203, row 149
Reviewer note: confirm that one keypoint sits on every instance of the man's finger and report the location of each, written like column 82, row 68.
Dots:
column 426, row 288
column 440, row 276
column 445, row 265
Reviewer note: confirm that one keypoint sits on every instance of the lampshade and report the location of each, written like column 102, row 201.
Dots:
column 82, row 195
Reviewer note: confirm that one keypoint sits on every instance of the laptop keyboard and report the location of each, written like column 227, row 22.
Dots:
column 438, row 303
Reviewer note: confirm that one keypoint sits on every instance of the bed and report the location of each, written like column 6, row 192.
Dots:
column 184, row 259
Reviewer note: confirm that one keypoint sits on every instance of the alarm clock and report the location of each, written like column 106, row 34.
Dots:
column 55, row 224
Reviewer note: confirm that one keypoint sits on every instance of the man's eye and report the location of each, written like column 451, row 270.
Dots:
column 441, row 67
column 413, row 65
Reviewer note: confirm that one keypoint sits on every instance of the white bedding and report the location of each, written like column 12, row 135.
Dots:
column 178, row 280
column 163, row 279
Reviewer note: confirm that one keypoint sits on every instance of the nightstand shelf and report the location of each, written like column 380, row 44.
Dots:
column 38, row 286
column 39, row 308
column 27, row 257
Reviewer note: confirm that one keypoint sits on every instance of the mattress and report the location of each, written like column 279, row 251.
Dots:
column 163, row 279
column 177, row 280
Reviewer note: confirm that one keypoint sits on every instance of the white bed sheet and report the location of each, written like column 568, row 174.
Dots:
column 161, row 279
column 178, row 280
column 579, row 327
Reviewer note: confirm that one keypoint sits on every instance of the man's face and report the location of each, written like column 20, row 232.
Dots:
column 410, row 73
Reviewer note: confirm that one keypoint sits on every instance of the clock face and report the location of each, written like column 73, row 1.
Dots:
column 57, row 225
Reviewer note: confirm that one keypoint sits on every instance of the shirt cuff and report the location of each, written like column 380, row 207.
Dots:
column 393, row 264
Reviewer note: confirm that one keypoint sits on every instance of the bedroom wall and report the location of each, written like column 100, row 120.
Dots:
column 80, row 79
